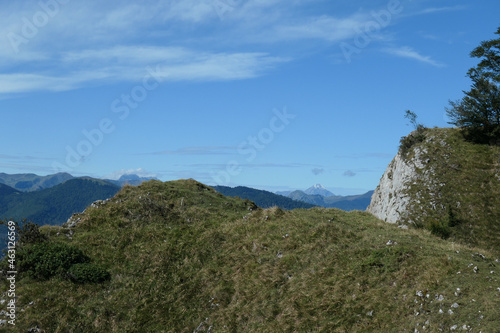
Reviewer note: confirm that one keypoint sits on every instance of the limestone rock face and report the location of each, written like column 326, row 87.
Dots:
column 389, row 201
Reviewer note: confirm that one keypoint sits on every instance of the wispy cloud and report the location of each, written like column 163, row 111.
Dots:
column 432, row 10
column 221, row 166
column 409, row 53
column 209, row 150
column 73, row 70
column 365, row 155
column 323, row 27
column 95, row 43
column 26, row 168
column 23, row 158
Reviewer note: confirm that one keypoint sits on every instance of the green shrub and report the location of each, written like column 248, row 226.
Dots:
column 45, row 260
column 88, row 273
column 440, row 228
column 412, row 139
column 29, row 233
column 453, row 220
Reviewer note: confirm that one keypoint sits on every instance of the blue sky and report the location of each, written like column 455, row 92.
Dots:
column 269, row 94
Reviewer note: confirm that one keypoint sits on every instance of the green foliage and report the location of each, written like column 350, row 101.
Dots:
column 478, row 112
column 42, row 259
column 412, row 117
column 26, row 232
column 489, row 53
column 453, row 220
column 415, row 137
column 46, row 260
column 440, row 228
column 444, row 227
column 29, row 233
column 88, row 273
column 407, row 142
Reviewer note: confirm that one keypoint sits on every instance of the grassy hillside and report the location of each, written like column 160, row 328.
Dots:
column 184, row 258
column 458, row 192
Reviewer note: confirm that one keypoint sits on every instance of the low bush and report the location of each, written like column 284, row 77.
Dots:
column 412, row 139
column 45, row 260
column 440, row 228
column 29, row 233
column 88, row 273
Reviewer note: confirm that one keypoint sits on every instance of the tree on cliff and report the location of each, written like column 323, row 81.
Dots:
column 479, row 110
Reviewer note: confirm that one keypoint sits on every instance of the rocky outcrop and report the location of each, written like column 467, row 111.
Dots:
column 390, row 200
column 444, row 183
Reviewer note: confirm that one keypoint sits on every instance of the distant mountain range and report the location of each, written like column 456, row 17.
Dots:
column 263, row 199
column 56, row 204
column 318, row 195
column 296, row 199
column 29, row 182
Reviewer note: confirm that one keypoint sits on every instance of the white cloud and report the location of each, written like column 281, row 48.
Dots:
column 324, row 27
column 408, row 52
column 191, row 10
column 129, row 63
column 433, row 10
column 125, row 54
column 96, row 43
column 203, row 150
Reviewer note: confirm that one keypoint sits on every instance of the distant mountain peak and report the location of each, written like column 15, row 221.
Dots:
column 318, row 189
column 129, row 177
